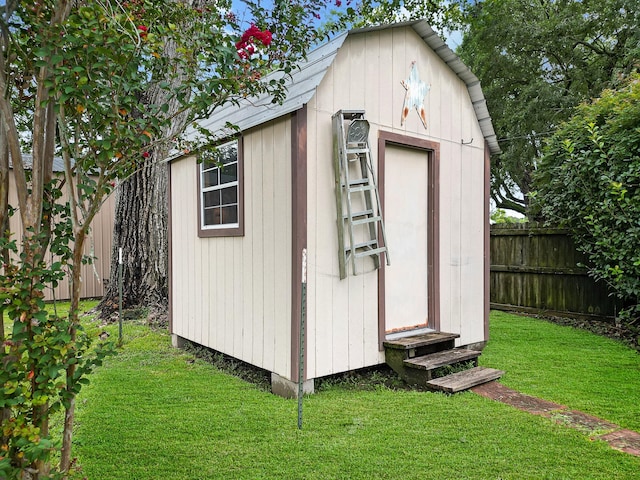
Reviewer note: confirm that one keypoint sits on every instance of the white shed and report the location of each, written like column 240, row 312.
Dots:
column 237, row 233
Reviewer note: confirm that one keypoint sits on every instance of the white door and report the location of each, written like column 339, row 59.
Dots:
column 406, row 220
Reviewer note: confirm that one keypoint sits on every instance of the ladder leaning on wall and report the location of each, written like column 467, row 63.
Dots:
column 360, row 223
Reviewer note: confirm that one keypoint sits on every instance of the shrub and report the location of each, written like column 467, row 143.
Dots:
column 589, row 182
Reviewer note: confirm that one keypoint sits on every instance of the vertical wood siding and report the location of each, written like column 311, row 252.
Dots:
column 98, row 245
column 342, row 314
column 233, row 294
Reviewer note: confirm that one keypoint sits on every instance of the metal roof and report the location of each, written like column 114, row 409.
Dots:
column 304, row 81
column 27, row 160
column 300, row 88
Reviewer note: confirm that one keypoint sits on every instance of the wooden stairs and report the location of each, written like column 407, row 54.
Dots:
column 426, row 359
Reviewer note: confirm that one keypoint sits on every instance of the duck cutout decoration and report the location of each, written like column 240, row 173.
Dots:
column 416, row 90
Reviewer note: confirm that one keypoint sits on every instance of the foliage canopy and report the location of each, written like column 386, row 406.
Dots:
column 536, row 61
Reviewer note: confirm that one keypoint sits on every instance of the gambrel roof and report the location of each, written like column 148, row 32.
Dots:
column 304, row 81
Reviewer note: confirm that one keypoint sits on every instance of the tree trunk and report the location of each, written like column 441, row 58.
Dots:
column 5, row 413
column 141, row 218
column 76, row 283
column 141, row 231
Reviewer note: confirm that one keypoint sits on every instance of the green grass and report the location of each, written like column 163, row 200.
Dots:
column 60, row 308
column 566, row 365
column 154, row 413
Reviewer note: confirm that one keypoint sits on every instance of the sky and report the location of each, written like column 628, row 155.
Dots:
column 453, row 39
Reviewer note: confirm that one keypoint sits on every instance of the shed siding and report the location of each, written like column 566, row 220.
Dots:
column 367, row 74
column 98, row 245
column 233, row 294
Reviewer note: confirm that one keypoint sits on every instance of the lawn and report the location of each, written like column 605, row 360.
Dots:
column 154, row 412
column 566, row 365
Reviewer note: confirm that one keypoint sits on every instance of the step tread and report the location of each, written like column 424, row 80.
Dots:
column 457, row 382
column 440, row 359
column 416, row 341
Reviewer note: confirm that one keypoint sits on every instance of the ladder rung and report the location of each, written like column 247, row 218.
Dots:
column 356, row 151
column 358, row 181
column 364, row 213
column 373, row 251
column 368, row 244
column 351, row 114
column 363, row 188
column 362, row 221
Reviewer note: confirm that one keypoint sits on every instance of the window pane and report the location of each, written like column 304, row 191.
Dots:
column 230, row 214
column 229, row 195
column 208, row 165
column 210, row 178
column 212, row 216
column 227, row 153
column 229, row 173
column 212, row 199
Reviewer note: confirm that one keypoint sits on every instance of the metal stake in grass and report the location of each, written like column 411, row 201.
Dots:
column 119, row 295
column 302, row 336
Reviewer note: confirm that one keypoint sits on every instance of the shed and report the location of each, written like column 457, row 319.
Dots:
column 237, row 233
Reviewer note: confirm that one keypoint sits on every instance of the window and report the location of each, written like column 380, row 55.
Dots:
column 221, row 192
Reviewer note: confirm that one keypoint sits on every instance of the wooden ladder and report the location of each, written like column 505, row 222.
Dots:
column 355, row 181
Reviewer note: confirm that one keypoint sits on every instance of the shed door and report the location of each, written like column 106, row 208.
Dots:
column 406, row 220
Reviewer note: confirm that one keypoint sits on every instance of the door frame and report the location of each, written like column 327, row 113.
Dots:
column 432, row 149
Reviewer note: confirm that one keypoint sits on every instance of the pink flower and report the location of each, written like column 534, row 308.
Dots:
column 246, row 44
column 143, row 31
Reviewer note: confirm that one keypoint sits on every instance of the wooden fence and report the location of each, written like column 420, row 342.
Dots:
column 537, row 270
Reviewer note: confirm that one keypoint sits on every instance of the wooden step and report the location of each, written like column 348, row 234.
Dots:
column 416, row 341
column 457, row 382
column 440, row 359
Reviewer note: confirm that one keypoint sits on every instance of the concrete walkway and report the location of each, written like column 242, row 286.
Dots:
column 617, row 437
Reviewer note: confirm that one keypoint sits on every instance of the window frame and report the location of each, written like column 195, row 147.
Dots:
column 223, row 230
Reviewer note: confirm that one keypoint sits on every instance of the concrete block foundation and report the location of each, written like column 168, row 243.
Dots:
column 286, row 388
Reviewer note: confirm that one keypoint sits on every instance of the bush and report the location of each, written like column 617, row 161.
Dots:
column 589, row 182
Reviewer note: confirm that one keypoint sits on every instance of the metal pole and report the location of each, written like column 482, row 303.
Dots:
column 120, row 295
column 302, row 337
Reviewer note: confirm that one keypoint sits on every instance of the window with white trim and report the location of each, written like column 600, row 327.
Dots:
column 220, row 189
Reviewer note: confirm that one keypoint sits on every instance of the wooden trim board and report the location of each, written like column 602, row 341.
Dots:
column 433, row 225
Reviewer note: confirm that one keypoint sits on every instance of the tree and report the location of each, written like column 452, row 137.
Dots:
column 589, row 182
column 442, row 15
column 73, row 77
column 141, row 218
column 536, row 61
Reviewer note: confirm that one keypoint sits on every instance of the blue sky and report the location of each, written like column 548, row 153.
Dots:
column 453, row 39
